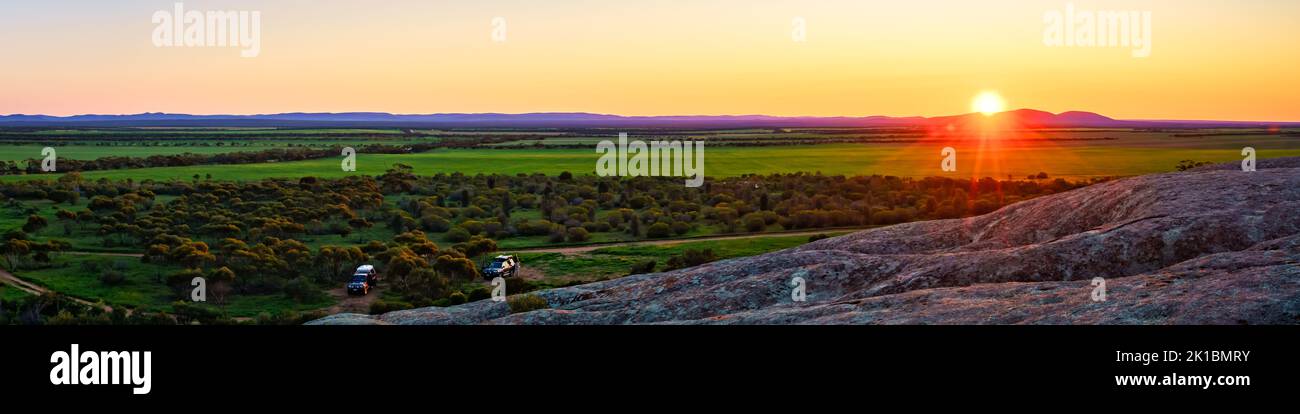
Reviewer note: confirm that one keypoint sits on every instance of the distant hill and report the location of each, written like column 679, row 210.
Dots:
column 1020, row 118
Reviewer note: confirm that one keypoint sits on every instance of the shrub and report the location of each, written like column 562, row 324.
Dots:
column 458, row 235
column 474, row 227
column 658, row 231
column 681, row 227
column 435, row 224
column 526, row 303
column 690, row 258
column 516, row 285
column 478, row 294
column 578, row 234
column 302, row 290
column 112, row 277
column 187, row 312
column 383, row 306
column 647, row 266
column 754, row 222
column 557, row 235
column 1183, row 165
column 180, row 281
column 456, row 298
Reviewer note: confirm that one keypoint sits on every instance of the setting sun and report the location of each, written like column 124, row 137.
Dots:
column 988, row 103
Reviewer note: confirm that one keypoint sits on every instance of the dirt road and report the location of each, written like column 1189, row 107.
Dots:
column 23, row 285
column 351, row 303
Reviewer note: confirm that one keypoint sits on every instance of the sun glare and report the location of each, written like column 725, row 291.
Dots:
column 988, row 103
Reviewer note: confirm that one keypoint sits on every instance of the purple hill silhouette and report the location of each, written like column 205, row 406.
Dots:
column 1020, row 118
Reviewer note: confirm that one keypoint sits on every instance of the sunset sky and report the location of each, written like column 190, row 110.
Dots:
column 1228, row 60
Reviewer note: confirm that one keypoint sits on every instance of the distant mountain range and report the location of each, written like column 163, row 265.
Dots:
column 1021, row 118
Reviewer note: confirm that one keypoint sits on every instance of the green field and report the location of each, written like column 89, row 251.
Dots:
column 90, row 151
column 143, row 289
column 10, row 293
column 617, row 261
column 1127, row 154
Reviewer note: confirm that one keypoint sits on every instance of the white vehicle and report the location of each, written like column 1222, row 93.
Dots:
column 502, row 266
column 363, row 280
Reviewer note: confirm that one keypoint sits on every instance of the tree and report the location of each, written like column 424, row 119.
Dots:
column 458, row 268
column 337, row 259
column 13, row 250
column 220, row 280
column 180, row 282
column 67, row 217
column 401, row 263
column 754, row 222
column 427, row 283
column 35, row 223
column 634, row 226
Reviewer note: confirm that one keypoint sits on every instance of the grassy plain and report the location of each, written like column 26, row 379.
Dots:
column 1068, row 155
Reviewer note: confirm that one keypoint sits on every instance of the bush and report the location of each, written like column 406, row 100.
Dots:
column 302, row 290
column 658, row 231
column 526, row 303
column 517, row 285
column 578, row 234
column 112, row 277
column 456, row 298
column 473, row 227
column 458, row 235
column 187, row 312
column 434, row 224
column 557, row 236
column 647, row 266
column 1183, row 165
column 478, row 294
column 681, row 227
column 383, row 306
column 690, row 258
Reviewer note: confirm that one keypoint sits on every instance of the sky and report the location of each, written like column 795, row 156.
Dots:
column 1209, row 59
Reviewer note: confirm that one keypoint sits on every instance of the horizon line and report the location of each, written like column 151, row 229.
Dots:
column 637, row 116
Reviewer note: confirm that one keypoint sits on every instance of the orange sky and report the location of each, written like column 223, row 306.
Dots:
column 1209, row 59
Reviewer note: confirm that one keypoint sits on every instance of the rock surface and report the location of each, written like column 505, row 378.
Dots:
column 1215, row 245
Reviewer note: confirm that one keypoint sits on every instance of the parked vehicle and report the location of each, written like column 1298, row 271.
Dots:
column 502, row 266
column 363, row 280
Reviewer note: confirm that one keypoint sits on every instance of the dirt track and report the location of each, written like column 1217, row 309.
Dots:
column 23, row 285
column 352, row 304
